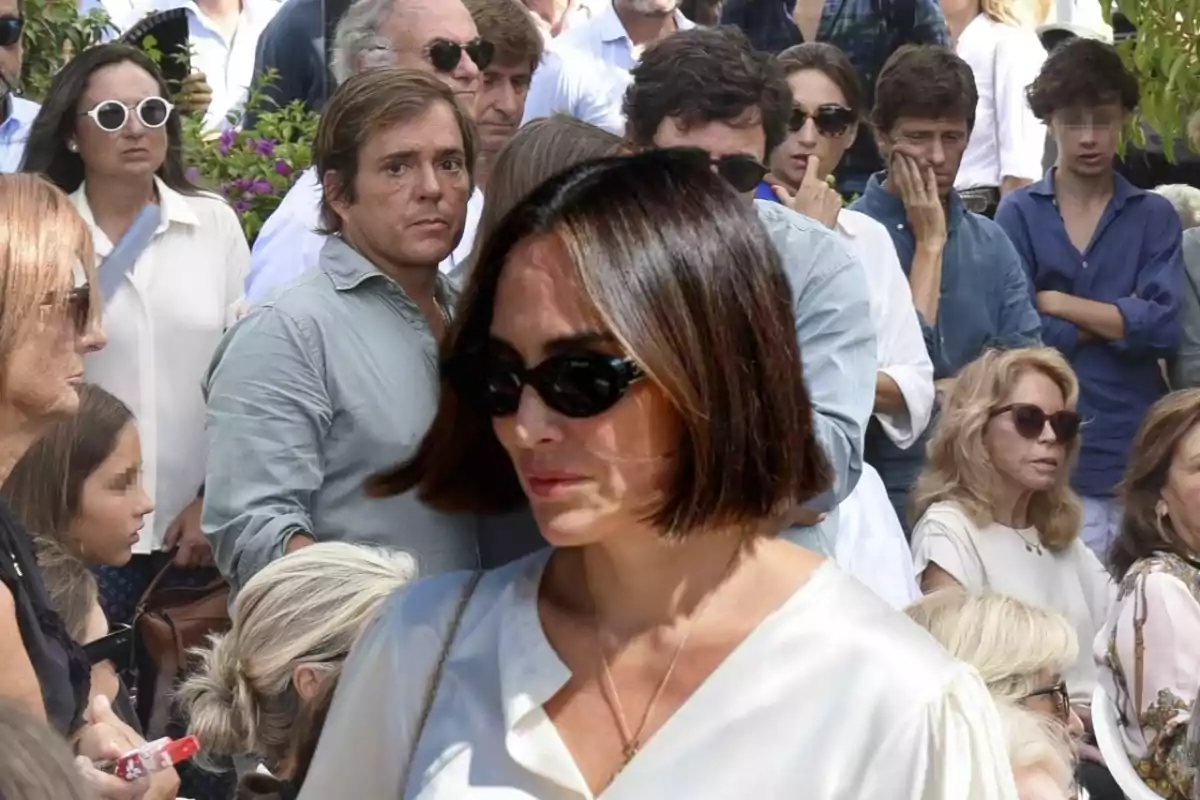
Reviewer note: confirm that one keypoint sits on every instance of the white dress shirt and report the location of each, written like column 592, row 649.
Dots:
column 833, row 696
column 228, row 64
column 14, row 131
column 288, row 244
column 603, row 37
column 1007, row 139
column 163, row 324
column 579, row 85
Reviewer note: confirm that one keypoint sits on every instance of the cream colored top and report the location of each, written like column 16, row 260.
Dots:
column 835, row 696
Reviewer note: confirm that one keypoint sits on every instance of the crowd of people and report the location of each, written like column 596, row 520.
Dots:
column 788, row 398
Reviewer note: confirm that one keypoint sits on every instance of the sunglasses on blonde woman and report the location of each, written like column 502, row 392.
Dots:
column 1030, row 421
column 77, row 305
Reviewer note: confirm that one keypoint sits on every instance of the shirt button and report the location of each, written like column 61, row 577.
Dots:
column 1085, row 265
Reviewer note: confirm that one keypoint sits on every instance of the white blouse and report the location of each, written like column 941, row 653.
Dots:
column 834, row 695
column 163, row 325
column 997, row 558
column 1007, row 138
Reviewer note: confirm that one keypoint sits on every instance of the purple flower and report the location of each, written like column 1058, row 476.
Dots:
column 225, row 143
column 261, row 186
column 264, row 147
column 241, row 206
column 282, row 168
column 225, row 188
column 193, row 174
column 242, row 184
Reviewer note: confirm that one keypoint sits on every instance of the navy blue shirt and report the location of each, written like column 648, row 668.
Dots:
column 765, row 192
column 1133, row 262
column 984, row 302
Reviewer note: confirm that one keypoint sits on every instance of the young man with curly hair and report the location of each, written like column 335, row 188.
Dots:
column 1104, row 265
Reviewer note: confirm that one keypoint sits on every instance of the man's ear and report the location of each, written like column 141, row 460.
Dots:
column 883, row 142
column 335, row 194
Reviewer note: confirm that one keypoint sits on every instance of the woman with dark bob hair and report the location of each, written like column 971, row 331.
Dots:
column 1149, row 648
column 624, row 364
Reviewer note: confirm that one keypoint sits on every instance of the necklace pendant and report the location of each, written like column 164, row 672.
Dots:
column 631, row 750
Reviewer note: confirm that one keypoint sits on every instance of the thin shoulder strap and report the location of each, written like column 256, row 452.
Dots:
column 435, row 679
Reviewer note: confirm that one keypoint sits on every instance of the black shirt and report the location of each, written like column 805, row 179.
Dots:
column 293, row 45
column 59, row 663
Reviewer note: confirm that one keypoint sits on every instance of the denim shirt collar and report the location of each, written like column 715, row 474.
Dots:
column 889, row 208
column 349, row 269
column 1123, row 190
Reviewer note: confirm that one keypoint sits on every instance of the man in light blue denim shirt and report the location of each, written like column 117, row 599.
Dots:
column 968, row 283
column 335, row 377
column 707, row 88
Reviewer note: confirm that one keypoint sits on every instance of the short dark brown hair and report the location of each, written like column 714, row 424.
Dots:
column 707, row 75
column 1142, row 532
column 833, row 64
column 363, row 105
column 1082, row 72
column 508, row 25
column 675, row 264
column 924, row 82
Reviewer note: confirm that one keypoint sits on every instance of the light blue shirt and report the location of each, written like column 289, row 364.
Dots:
column 14, row 131
column 837, row 347
column 329, row 381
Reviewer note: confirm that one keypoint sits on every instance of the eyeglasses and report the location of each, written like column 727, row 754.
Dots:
column 577, row 385
column 111, row 116
column 831, row 119
column 741, row 172
column 445, row 54
column 1062, row 699
column 77, row 304
column 10, row 30
column 1030, row 421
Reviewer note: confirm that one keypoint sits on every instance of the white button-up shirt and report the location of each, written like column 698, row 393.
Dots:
column 14, row 132
column 579, row 85
column 163, row 324
column 227, row 63
column 604, row 38
column 289, row 246
column 1007, row 138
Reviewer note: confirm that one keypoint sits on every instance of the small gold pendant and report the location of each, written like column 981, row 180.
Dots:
column 631, row 750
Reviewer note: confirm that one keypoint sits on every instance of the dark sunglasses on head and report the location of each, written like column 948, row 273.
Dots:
column 111, row 116
column 580, row 384
column 10, row 30
column 831, row 119
column 1062, row 699
column 445, row 54
column 741, row 172
column 1030, row 421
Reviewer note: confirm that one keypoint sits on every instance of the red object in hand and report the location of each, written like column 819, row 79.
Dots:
column 155, row 757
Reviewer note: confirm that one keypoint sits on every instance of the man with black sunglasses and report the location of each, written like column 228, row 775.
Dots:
column 16, row 113
column 435, row 36
column 708, row 89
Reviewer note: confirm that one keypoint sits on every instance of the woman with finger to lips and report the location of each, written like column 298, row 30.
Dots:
column 827, row 102
column 994, row 506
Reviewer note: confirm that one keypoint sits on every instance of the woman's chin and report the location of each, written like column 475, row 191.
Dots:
column 567, row 527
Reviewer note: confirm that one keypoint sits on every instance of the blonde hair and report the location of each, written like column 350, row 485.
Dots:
column 1002, row 11
column 70, row 585
column 35, row 763
column 1186, row 201
column 1038, row 742
column 1008, row 642
column 305, row 608
column 42, row 241
column 958, row 468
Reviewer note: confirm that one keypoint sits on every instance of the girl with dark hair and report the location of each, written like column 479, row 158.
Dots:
column 1149, row 647
column 173, row 261
column 80, row 485
column 668, row 637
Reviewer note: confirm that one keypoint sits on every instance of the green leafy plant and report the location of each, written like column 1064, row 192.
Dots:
column 255, row 167
column 54, row 31
column 1164, row 54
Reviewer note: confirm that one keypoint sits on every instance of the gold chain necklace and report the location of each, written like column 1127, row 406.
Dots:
column 631, row 741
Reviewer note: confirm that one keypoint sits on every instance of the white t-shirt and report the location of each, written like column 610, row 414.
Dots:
column 997, row 558
column 834, row 696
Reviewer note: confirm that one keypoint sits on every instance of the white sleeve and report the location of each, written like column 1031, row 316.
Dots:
column 1022, row 138
column 901, row 344
column 574, row 83
column 954, row 748
column 288, row 244
column 237, row 264
column 945, row 541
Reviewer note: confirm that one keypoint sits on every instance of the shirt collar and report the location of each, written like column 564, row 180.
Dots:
column 348, row 269
column 175, row 209
column 611, row 29
column 1123, row 190
column 884, row 203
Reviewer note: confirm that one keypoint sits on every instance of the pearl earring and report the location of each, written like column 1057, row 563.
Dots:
column 74, row 148
column 1161, row 509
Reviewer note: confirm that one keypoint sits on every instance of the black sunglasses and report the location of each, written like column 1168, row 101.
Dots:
column 741, row 172
column 445, row 54
column 111, row 116
column 1062, row 699
column 78, row 307
column 581, row 384
column 10, row 30
column 831, row 119
column 1030, row 421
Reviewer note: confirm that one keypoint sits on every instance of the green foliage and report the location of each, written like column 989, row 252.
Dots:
column 54, row 30
column 253, row 168
column 1165, row 56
